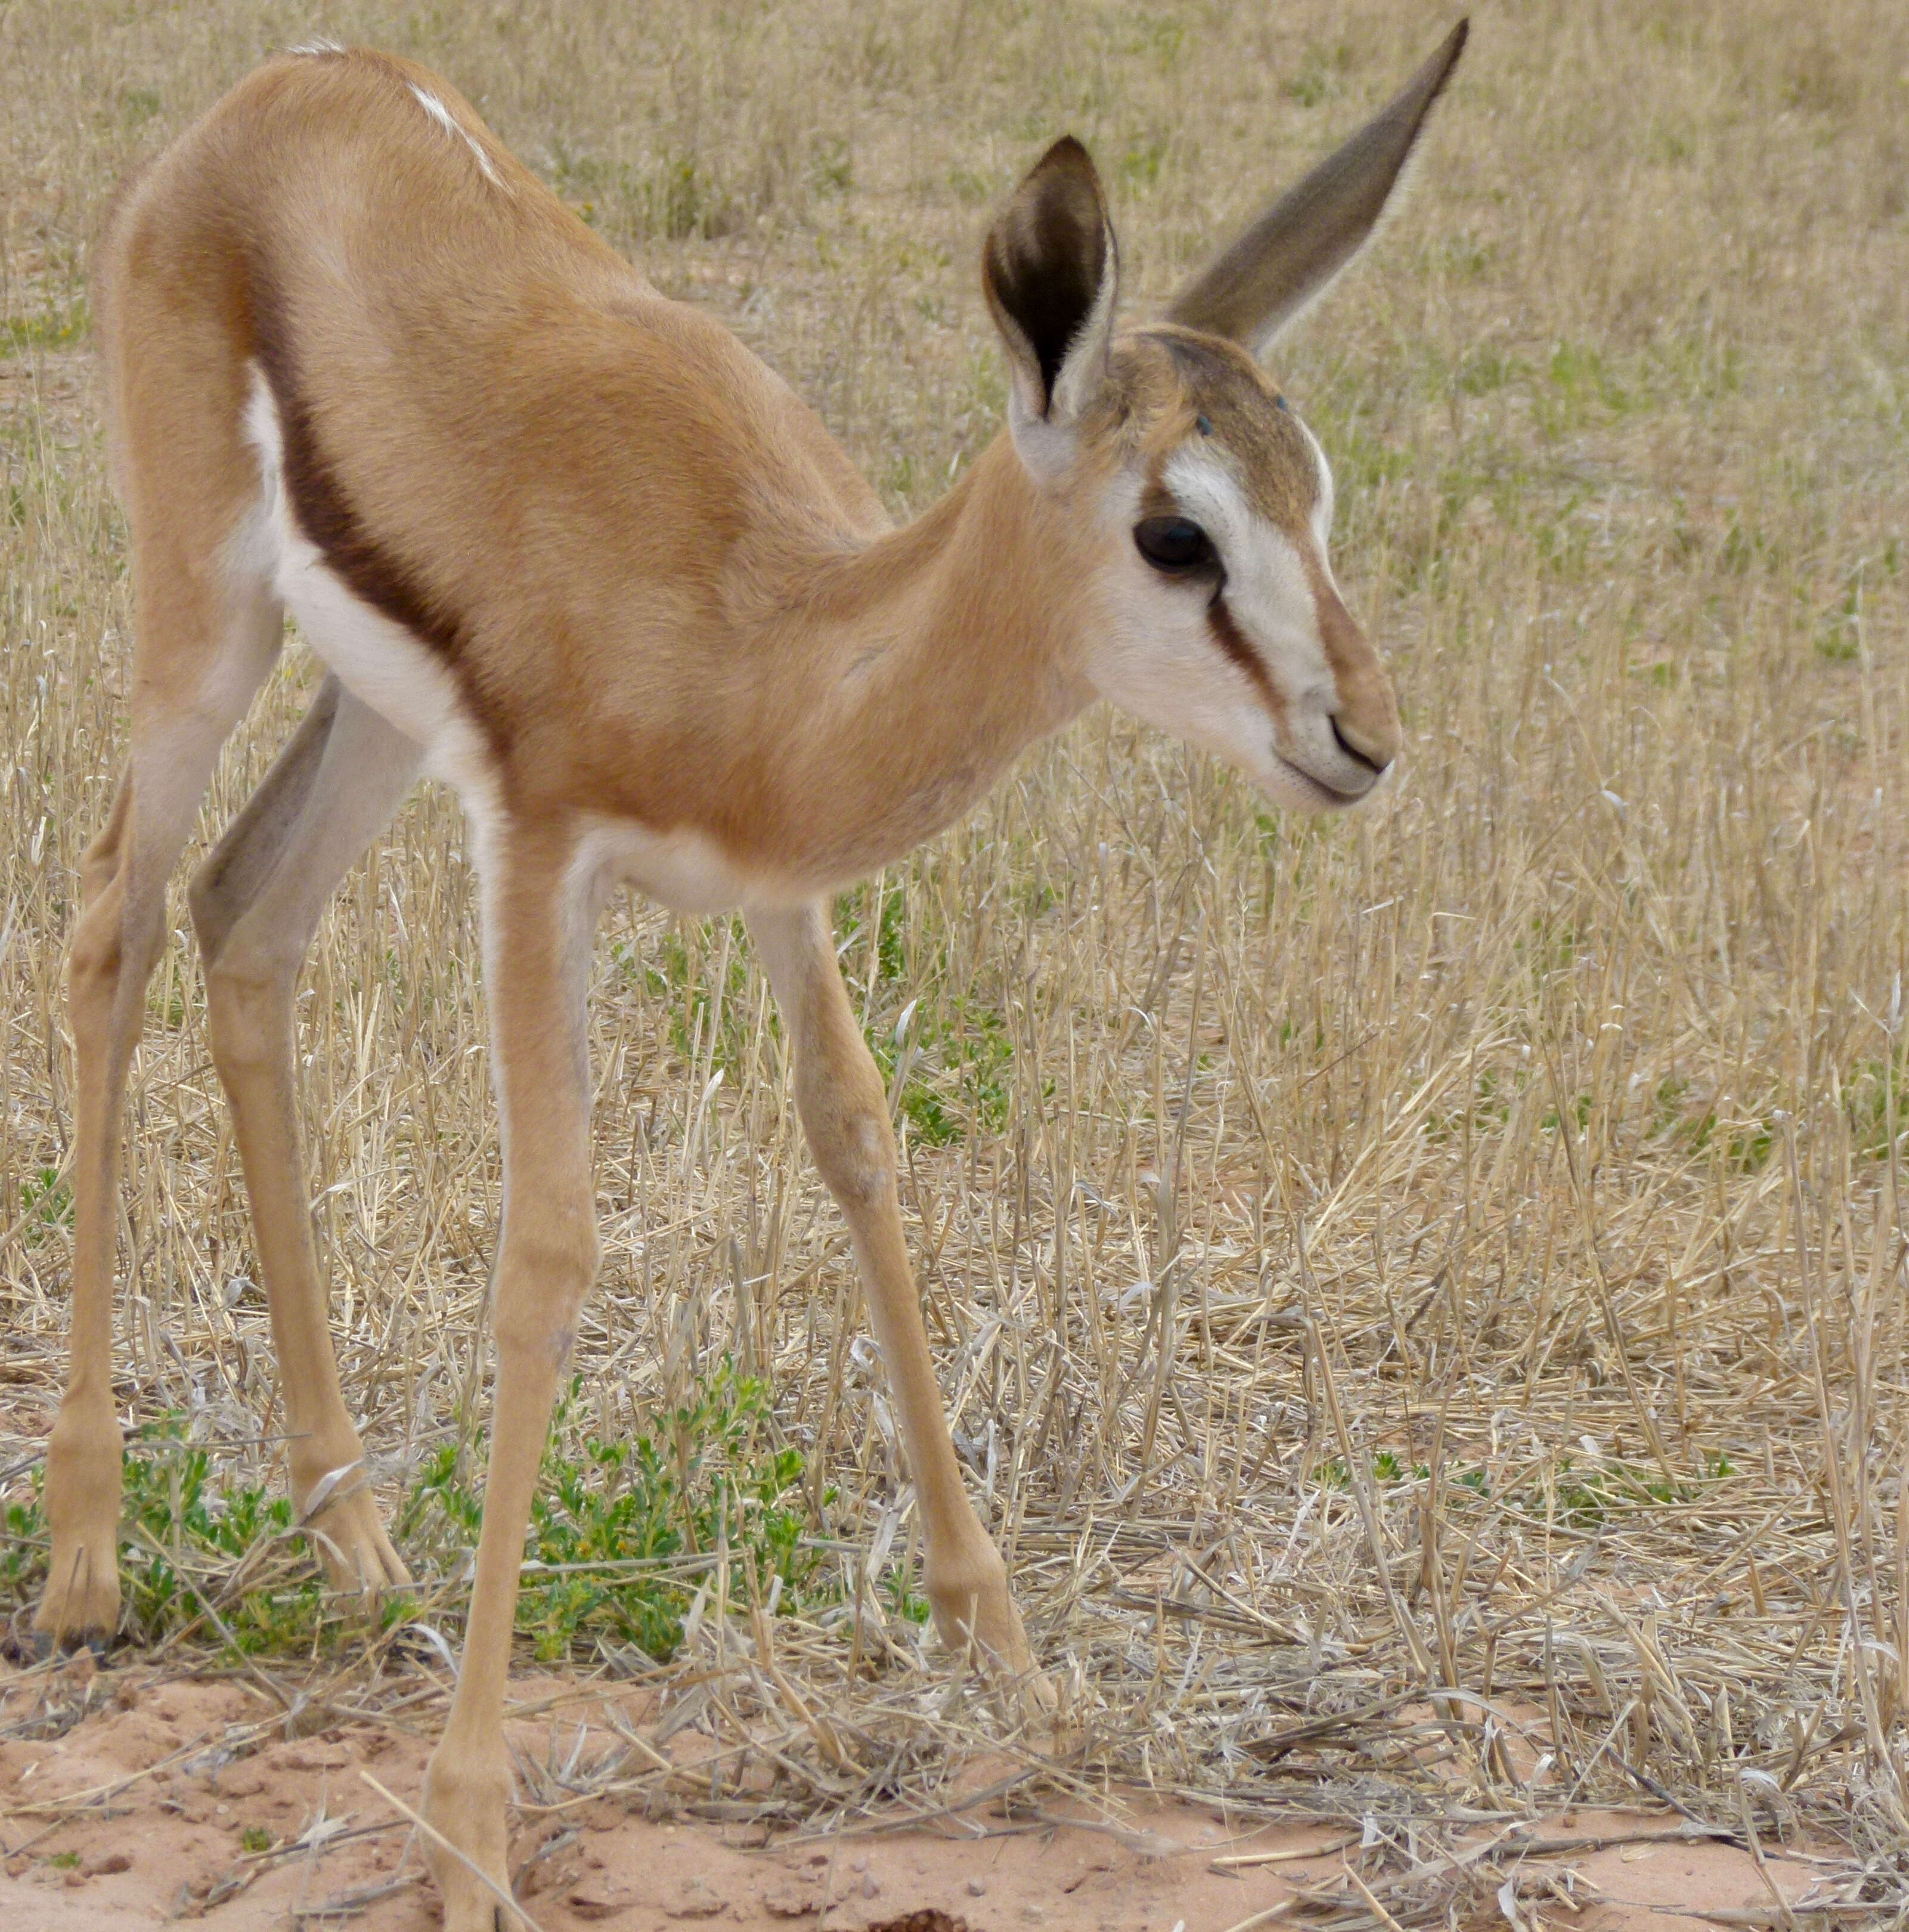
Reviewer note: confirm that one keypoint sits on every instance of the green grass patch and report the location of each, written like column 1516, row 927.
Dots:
column 185, row 1541
column 964, row 1071
column 46, row 1204
column 1584, row 1499
column 960, row 1060
column 53, row 329
column 1321, row 74
column 1746, row 1146
column 1873, row 1096
column 610, row 1518
column 686, row 981
column 612, row 1527
column 1140, row 166
column 1388, row 1466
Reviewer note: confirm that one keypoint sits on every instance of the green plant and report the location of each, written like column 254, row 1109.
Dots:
column 609, row 1524
column 964, row 1066
column 610, row 1518
column 1873, row 1097
column 1140, row 166
column 56, row 329
column 1319, row 75
column 683, row 199
column 1585, row 1499
column 673, row 974
column 175, row 1525
column 46, row 1202
column 183, row 1538
column 832, row 165
column 903, row 1600
column 23, row 1548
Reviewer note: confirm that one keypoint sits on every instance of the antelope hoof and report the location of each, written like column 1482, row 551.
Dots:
column 80, row 1604
column 467, row 1798
column 976, row 1615
column 359, row 1562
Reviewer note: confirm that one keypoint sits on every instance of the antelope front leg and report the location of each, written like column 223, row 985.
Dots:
column 536, row 946
column 845, row 1115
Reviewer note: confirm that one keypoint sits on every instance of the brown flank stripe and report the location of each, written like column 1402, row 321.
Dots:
column 330, row 522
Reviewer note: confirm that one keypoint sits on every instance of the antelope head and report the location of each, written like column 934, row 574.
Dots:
column 1207, row 502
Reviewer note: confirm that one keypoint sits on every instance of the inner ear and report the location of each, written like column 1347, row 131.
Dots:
column 1049, row 266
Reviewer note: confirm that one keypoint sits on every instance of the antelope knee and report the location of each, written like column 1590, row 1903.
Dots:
column 248, row 1012
column 856, row 1153
column 546, row 1272
column 208, row 902
column 93, row 964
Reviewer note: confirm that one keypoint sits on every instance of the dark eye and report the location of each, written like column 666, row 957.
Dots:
column 1173, row 543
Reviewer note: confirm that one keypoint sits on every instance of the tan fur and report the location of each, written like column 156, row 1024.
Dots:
column 678, row 632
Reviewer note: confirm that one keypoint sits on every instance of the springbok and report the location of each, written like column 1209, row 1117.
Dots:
column 570, row 547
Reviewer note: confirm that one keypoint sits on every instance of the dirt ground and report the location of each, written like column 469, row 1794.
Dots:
column 157, row 1805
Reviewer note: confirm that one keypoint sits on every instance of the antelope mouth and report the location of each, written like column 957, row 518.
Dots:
column 1321, row 796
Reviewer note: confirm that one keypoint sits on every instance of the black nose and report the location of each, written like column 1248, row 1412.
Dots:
column 1352, row 751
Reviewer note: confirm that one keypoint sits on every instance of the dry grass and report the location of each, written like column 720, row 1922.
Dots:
column 1510, row 1171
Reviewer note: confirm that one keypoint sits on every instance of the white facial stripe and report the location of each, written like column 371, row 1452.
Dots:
column 1325, row 502
column 446, row 119
column 1268, row 591
column 1156, row 654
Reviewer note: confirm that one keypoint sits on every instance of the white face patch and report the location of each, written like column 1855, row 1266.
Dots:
column 1162, row 660
column 1267, row 589
column 449, row 122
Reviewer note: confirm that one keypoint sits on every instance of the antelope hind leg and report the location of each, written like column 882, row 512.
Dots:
column 256, row 903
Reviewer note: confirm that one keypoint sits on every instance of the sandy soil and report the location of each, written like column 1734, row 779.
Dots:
column 185, row 1773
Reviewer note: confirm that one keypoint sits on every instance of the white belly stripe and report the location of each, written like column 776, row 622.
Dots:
column 378, row 661
column 381, row 663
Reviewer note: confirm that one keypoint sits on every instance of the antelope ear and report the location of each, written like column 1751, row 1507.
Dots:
column 1051, row 273
column 1286, row 259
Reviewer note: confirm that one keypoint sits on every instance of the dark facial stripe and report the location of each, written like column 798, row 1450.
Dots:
column 1227, row 634
column 331, row 523
column 1157, row 500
